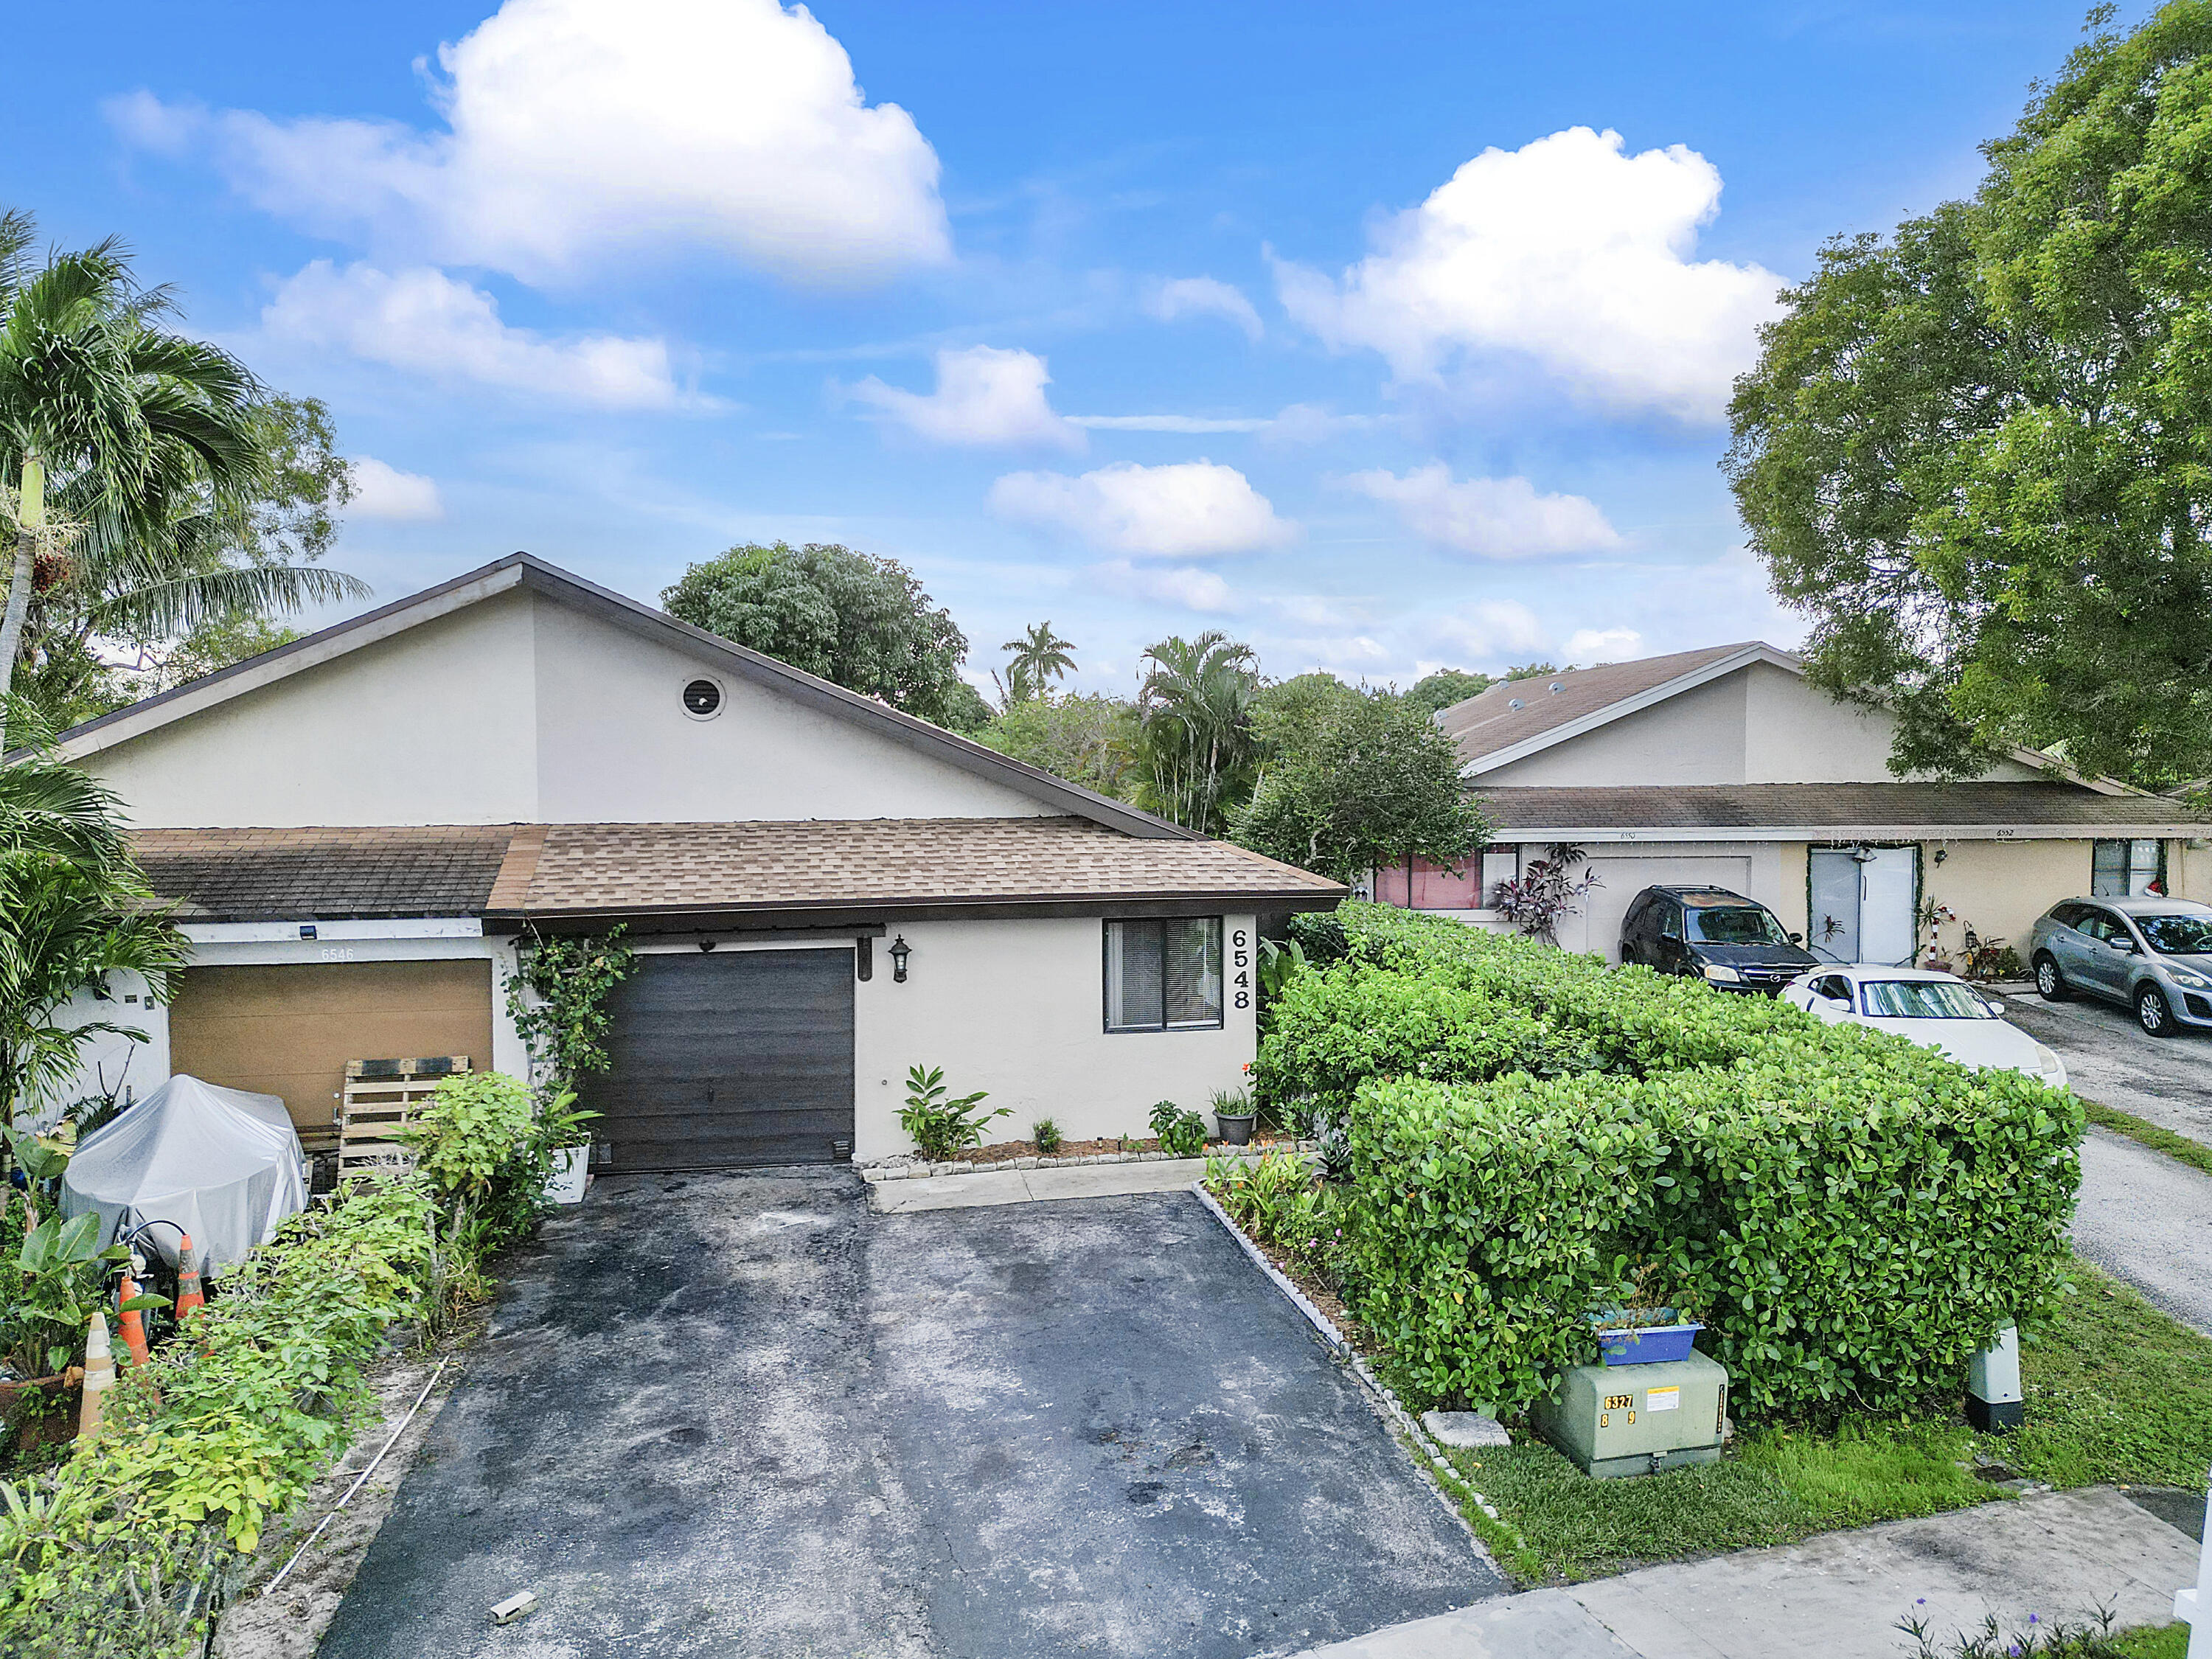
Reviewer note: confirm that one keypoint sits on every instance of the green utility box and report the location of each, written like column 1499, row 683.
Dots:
column 1638, row 1419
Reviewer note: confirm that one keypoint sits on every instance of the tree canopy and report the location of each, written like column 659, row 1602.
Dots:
column 861, row 622
column 1378, row 784
column 1040, row 657
column 1977, row 451
column 1195, row 728
column 1440, row 690
column 1085, row 737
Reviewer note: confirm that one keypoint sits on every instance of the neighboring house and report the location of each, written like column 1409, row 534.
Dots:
column 1723, row 767
column 361, row 826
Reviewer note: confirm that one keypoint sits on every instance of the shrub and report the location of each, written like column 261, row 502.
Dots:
column 1852, row 1215
column 1182, row 1134
column 124, row 1548
column 486, row 1146
column 1045, row 1134
column 1276, row 1200
column 939, row 1127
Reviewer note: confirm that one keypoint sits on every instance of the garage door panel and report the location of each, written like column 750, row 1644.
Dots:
column 727, row 1059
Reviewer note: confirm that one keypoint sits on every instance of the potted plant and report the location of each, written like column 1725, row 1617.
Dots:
column 1235, row 1115
column 1643, row 1325
column 567, row 1139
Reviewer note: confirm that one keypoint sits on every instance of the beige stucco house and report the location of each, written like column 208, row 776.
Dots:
column 362, row 828
column 1723, row 767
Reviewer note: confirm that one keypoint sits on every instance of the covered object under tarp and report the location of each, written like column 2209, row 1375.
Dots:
column 222, row 1165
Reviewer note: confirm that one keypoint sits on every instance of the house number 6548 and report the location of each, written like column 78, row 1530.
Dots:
column 1240, row 959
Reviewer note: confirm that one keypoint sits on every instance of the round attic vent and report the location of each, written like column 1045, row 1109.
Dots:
column 1555, row 687
column 702, row 700
column 1515, row 702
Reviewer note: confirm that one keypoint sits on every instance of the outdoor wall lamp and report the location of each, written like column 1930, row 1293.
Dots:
column 900, row 951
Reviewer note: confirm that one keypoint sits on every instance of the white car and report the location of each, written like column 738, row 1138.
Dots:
column 1939, row 1009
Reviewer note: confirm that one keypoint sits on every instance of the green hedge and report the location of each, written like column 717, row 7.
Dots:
column 120, row 1549
column 1852, row 1214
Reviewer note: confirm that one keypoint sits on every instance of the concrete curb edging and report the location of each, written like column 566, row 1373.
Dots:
column 1427, row 1456
column 959, row 1166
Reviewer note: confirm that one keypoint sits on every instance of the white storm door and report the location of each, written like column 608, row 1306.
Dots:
column 1835, row 909
column 1889, row 881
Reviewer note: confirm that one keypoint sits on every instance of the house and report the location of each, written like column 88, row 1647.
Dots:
column 1724, row 768
column 362, row 828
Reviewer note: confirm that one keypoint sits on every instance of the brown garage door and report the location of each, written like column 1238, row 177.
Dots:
column 289, row 1030
column 737, row 1058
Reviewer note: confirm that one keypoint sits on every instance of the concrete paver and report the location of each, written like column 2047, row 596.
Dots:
column 963, row 1192
column 2055, row 1555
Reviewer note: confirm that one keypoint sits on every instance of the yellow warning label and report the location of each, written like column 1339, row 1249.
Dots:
column 1663, row 1400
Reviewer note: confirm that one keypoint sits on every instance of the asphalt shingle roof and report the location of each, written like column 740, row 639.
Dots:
column 546, row 870
column 1488, row 722
column 1825, row 805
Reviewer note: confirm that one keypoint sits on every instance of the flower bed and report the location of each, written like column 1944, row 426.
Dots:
column 1024, row 1155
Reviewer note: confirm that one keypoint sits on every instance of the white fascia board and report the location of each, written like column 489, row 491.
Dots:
column 1629, row 705
column 270, row 932
column 1861, row 832
column 312, row 652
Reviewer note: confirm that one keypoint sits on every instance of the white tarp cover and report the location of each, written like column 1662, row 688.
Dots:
column 225, row 1166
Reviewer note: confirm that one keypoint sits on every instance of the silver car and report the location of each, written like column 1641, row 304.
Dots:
column 2151, row 954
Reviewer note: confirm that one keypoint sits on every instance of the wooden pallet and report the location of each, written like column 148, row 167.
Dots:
column 382, row 1097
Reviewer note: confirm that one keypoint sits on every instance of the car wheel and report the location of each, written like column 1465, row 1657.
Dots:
column 2051, row 984
column 2152, row 1013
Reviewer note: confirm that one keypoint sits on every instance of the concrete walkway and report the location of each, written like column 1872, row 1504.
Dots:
column 2056, row 1555
column 966, row 1192
column 2147, row 1221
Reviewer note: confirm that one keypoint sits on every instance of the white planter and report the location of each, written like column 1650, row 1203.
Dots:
column 570, row 1175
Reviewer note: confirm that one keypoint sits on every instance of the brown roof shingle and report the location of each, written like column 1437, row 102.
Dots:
column 267, row 875
column 1488, row 722
column 1827, row 805
column 519, row 871
column 870, row 863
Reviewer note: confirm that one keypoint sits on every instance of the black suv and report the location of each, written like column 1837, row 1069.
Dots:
column 1732, row 943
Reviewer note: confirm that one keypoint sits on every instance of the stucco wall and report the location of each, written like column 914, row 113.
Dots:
column 1758, row 725
column 615, row 745
column 519, row 709
column 1016, row 1007
column 2000, row 887
column 432, row 725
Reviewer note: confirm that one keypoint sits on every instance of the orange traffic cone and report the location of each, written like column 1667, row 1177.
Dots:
column 133, row 1327
column 188, row 1281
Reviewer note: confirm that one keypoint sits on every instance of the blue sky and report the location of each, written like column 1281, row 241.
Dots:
column 1384, row 338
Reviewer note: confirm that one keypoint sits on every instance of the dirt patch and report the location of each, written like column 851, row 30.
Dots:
column 289, row 1623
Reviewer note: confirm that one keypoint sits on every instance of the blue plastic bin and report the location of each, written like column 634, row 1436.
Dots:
column 1648, row 1345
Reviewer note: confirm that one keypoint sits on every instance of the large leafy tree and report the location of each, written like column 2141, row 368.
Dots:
column 1086, row 737
column 1196, row 739
column 1039, row 658
column 1379, row 785
column 1978, row 452
column 73, row 908
column 131, row 459
column 860, row 622
column 1440, row 690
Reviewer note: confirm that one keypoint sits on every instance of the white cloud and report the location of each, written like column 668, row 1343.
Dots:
column 1188, row 510
column 1192, row 589
column 428, row 323
column 1203, row 296
column 384, row 492
column 1490, row 518
column 983, row 396
column 1569, row 252
column 1483, row 630
column 1597, row 644
column 581, row 133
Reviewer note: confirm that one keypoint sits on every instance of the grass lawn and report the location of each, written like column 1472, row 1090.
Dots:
column 2180, row 1148
column 2117, row 1392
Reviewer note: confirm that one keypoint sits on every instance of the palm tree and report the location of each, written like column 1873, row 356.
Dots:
column 73, row 908
column 127, row 454
column 1040, row 657
column 1194, row 727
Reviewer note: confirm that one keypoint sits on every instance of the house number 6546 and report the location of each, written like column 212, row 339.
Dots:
column 1240, row 959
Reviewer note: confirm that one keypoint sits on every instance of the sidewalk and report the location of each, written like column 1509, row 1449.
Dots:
column 1840, row 1595
column 961, row 1192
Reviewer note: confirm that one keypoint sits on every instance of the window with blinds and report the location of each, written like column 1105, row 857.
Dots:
column 2127, row 869
column 1164, row 974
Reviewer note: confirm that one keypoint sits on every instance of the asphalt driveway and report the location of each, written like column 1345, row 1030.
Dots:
column 739, row 1415
column 2166, row 1080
